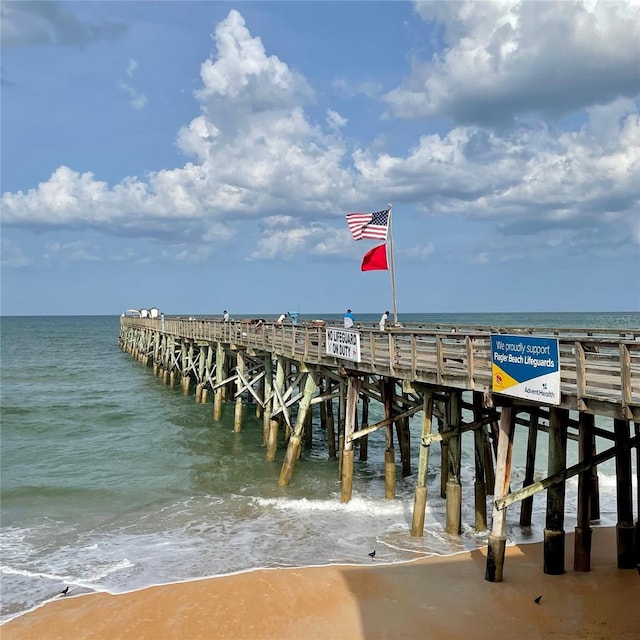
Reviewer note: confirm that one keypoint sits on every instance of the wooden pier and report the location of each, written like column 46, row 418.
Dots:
column 436, row 371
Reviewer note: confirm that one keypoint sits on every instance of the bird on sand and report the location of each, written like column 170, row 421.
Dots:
column 64, row 591
column 537, row 600
column 372, row 555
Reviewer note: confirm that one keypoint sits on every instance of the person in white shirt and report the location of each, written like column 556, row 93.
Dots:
column 384, row 320
column 225, row 316
column 281, row 319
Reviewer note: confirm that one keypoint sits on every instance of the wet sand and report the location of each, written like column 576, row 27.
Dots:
column 434, row 598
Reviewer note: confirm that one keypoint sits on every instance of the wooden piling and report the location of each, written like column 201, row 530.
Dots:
column 625, row 530
column 480, row 486
column 582, row 537
column 594, row 487
column 267, row 398
column 331, row 436
column 404, row 439
column 274, row 423
column 420, row 500
column 295, row 440
column 389, row 453
column 637, row 434
column 453, row 416
column 240, row 372
column 218, row 394
column 554, row 535
column 497, row 539
column 353, row 384
column 526, row 507
column 364, row 441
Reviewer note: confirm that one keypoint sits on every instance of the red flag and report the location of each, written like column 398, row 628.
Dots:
column 376, row 259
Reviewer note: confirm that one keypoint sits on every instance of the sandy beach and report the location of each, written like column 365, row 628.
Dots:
column 433, row 598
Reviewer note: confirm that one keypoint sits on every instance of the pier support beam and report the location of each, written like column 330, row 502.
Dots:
column 353, row 388
column 389, row 453
column 453, row 416
column 364, row 441
column 274, row 423
column 293, row 449
column 267, row 397
column 237, row 416
column 636, row 427
column 554, row 535
column 625, row 530
column 582, row 538
column 497, row 539
column 526, row 508
column 218, row 394
column 420, row 500
column 480, row 484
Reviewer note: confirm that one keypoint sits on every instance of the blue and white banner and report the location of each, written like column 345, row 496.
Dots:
column 526, row 367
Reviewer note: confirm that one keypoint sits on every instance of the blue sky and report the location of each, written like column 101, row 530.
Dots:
column 196, row 156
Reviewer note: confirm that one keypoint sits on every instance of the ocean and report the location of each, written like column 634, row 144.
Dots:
column 112, row 481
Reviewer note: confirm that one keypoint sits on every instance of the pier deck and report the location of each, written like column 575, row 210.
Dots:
column 435, row 371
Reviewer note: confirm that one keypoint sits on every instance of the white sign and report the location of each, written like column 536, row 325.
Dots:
column 343, row 344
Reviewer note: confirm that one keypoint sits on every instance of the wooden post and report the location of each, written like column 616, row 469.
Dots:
column 404, row 438
column 637, row 433
column 204, row 395
column 488, row 461
column 625, row 530
column 218, row 395
column 480, row 486
column 331, row 436
column 274, row 423
column 237, row 416
column 389, row 453
column 323, row 405
column 443, row 426
column 342, row 407
column 453, row 413
column 420, row 501
column 295, row 440
column 582, row 539
column 554, row 535
column 526, row 507
column 497, row 539
column 201, row 364
column 364, row 441
column 267, row 397
column 353, row 384
column 594, row 487
column 259, row 408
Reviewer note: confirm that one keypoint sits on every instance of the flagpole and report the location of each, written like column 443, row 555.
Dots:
column 393, row 271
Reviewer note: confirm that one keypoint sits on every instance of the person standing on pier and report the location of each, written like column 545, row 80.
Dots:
column 281, row 319
column 384, row 320
column 348, row 319
column 225, row 316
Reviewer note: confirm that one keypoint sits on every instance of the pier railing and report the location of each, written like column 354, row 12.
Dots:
column 600, row 368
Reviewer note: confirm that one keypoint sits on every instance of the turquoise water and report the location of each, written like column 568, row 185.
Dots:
column 112, row 481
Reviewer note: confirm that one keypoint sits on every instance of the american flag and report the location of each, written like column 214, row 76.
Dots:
column 369, row 225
